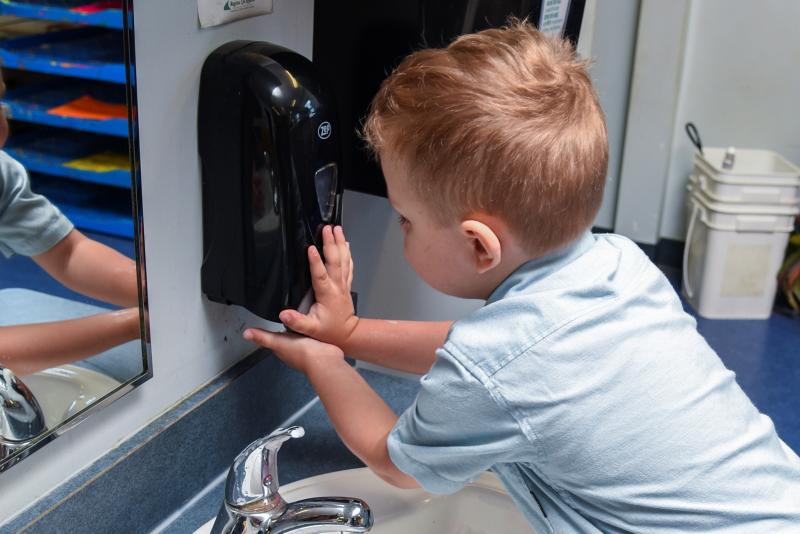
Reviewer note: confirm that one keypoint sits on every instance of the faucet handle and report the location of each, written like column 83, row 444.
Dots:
column 253, row 477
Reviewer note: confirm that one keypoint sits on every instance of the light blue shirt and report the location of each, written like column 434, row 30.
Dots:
column 29, row 223
column 586, row 388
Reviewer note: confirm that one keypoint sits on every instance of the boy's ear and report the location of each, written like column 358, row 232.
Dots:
column 484, row 242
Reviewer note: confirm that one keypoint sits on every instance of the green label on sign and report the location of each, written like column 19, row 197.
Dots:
column 233, row 5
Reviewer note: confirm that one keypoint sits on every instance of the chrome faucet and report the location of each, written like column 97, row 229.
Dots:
column 21, row 417
column 254, row 506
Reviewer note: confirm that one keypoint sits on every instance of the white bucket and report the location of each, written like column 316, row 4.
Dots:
column 742, row 217
column 758, row 176
column 732, row 256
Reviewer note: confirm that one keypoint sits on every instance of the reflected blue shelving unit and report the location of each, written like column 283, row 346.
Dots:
column 58, row 154
column 74, row 11
column 91, row 53
column 33, row 104
column 106, row 211
column 73, row 133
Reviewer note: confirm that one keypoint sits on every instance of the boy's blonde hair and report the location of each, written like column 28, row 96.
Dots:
column 505, row 122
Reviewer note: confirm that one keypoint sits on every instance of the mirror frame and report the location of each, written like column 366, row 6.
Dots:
column 136, row 206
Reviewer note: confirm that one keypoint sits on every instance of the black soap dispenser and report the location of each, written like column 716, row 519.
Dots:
column 270, row 159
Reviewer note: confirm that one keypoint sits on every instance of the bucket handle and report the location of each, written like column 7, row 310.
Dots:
column 694, row 136
column 702, row 182
column 689, row 232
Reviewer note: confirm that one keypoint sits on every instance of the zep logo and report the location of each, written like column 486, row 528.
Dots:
column 324, row 130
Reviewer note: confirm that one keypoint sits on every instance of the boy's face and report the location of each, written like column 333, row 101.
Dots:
column 440, row 254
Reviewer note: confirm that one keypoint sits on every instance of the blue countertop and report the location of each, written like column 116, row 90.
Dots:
column 169, row 476
column 320, row 451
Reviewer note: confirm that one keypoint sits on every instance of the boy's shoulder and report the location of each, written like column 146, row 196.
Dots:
column 7, row 161
column 12, row 173
column 604, row 275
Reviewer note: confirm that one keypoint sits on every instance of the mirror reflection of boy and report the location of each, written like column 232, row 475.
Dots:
column 31, row 226
column 581, row 383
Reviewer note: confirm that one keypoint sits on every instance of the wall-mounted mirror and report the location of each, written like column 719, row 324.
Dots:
column 73, row 321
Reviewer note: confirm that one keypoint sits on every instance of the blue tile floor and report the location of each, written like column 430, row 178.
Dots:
column 22, row 272
column 765, row 355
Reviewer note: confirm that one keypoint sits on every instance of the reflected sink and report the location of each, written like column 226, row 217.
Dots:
column 480, row 507
column 66, row 390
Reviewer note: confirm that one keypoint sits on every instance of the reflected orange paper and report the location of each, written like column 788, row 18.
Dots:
column 88, row 107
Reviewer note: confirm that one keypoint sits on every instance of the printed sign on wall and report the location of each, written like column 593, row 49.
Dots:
column 554, row 14
column 216, row 12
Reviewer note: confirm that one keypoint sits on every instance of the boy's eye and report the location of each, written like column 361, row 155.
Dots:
column 402, row 220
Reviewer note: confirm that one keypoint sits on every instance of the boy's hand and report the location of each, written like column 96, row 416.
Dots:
column 332, row 317
column 298, row 352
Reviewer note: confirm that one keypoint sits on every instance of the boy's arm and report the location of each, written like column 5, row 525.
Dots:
column 360, row 417
column 92, row 269
column 408, row 346
column 29, row 348
column 403, row 345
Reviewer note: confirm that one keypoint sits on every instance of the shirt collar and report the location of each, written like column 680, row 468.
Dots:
column 533, row 272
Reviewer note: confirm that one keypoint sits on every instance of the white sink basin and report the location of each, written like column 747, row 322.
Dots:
column 66, row 390
column 481, row 507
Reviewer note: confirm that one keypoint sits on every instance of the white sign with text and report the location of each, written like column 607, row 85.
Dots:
column 216, row 12
column 553, row 16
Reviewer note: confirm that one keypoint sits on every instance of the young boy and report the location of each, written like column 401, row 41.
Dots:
column 581, row 383
column 31, row 226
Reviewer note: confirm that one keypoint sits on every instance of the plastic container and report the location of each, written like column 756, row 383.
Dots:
column 742, row 217
column 758, row 176
column 732, row 256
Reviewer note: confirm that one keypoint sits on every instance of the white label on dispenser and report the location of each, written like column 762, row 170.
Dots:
column 216, row 12
column 324, row 130
column 553, row 16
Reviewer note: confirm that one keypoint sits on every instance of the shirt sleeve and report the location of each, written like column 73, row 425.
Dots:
column 29, row 223
column 454, row 431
